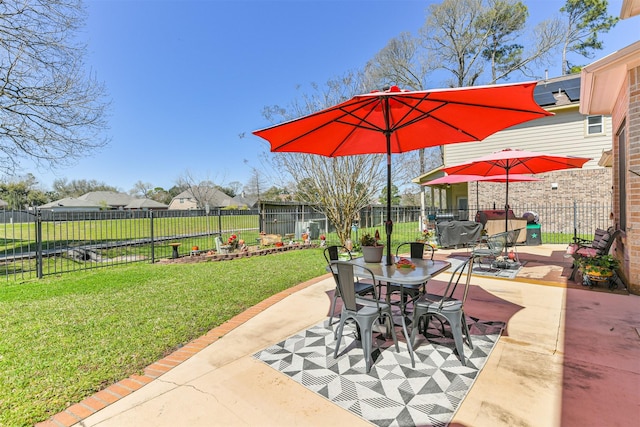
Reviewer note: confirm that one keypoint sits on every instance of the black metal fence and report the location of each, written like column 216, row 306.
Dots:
column 38, row 243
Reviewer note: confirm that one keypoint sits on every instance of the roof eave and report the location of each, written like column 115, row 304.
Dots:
column 429, row 175
column 602, row 80
column 629, row 8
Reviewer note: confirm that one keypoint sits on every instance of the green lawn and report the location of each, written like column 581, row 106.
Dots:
column 21, row 237
column 65, row 337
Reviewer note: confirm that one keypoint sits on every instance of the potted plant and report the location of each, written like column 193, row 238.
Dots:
column 371, row 251
column 428, row 237
column 599, row 268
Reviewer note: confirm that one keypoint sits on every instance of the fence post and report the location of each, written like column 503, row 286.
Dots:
column 220, row 222
column 153, row 245
column 575, row 221
column 38, row 217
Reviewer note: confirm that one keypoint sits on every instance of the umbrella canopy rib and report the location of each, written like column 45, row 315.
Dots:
column 397, row 121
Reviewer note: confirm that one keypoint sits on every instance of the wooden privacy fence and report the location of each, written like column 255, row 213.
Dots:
column 38, row 243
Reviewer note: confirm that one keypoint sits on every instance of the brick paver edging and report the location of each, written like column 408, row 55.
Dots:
column 79, row 411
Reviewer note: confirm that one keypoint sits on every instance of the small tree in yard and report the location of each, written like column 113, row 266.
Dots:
column 339, row 186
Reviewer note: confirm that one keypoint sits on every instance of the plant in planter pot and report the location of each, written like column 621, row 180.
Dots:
column 371, row 250
column 599, row 268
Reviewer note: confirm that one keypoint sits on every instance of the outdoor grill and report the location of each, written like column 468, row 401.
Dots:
column 455, row 233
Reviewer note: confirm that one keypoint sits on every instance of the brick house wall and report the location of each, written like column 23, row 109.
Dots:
column 590, row 186
column 626, row 113
column 584, row 186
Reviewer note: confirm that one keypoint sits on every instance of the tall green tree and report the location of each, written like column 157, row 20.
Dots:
column 482, row 41
column 395, row 195
column 585, row 20
column 276, row 194
column 512, row 46
column 51, row 109
column 504, row 22
column 22, row 192
column 77, row 187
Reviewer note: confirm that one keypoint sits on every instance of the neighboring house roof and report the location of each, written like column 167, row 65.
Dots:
column 101, row 199
column 429, row 175
column 70, row 202
column 145, row 204
column 215, row 198
column 603, row 79
column 3, row 204
column 110, row 198
column 247, row 201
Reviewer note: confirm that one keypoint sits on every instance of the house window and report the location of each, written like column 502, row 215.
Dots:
column 595, row 125
column 181, row 200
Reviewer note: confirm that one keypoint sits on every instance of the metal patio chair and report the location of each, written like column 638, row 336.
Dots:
column 446, row 307
column 332, row 253
column 491, row 249
column 364, row 311
column 416, row 250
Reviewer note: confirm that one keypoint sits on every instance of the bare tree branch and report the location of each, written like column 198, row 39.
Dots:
column 51, row 110
column 340, row 186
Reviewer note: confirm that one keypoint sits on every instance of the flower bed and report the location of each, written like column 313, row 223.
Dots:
column 204, row 257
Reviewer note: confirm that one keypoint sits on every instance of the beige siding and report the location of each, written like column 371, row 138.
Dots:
column 182, row 204
column 564, row 133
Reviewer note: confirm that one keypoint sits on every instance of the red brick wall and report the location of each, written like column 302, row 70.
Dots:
column 583, row 186
column 627, row 111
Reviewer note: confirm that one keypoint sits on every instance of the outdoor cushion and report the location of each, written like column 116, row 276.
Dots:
column 588, row 252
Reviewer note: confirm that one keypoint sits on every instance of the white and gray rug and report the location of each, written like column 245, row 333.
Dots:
column 392, row 393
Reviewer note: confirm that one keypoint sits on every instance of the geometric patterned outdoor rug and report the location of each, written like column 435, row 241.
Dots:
column 392, row 393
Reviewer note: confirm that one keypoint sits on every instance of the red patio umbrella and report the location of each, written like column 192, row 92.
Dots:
column 512, row 161
column 457, row 179
column 397, row 121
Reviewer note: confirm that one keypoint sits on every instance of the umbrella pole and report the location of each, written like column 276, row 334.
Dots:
column 506, row 210
column 506, row 206
column 389, row 222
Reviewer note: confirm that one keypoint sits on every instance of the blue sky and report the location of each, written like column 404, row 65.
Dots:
column 187, row 78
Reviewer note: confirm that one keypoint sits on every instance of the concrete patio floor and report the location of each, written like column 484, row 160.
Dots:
column 568, row 357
